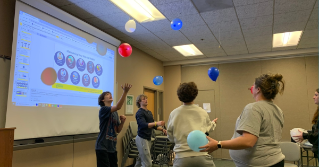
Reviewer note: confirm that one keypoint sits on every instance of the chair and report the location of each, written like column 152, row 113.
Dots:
column 291, row 152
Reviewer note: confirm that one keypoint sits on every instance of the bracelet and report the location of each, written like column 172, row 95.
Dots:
column 155, row 123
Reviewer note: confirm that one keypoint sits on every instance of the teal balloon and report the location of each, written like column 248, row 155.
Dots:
column 158, row 80
column 196, row 139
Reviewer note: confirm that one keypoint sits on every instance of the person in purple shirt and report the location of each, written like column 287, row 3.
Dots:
column 110, row 125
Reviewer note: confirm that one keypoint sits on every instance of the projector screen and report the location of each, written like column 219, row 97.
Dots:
column 57, row 74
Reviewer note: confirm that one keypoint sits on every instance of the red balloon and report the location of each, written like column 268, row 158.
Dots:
column 125, row 50
column 251, row 89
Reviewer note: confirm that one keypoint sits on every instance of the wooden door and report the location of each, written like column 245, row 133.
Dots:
column 151, row 101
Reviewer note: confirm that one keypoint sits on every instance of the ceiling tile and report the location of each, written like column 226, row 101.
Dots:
column 192, row 20
column 161, row 2
column 310, row 34
column 248, row 2
column 255, row 10
column 286, row 18
column 141, row 46
column 60, row 3
column 176, row 9
column 285, row 6
column 98, row 23
column 201, row 38
column 169, row 51
column 160, row 25
column 308, row 41
column 219, row 15
column 256, row 22
column 312, row 24
column 229, row 35
column 207, row 45
column 285, row 48
column 265, row 40
column 116, row 20
column 314, row 14
column 114, row 32
column 216, row 51
column 296, row 26
column 232, row 41
column 260, row 31
column 203, row 29
column 232, row 25
column 77, row 11
column 170, row 34
column 312, row 45
column 99, row 8
column 177, row 41
column 129, row 40
column 156, row 44
column 138, row 31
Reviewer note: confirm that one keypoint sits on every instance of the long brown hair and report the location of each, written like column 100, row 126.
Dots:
column 315, row 116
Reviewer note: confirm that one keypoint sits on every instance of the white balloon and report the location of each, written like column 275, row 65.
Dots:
column 295, row 132
column 130, row 26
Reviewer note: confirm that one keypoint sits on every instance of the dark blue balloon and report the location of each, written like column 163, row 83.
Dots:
column 213, row 73
column 158, row 80
column 176, row 24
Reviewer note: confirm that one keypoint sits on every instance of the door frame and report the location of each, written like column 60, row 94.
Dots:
column 157, row 104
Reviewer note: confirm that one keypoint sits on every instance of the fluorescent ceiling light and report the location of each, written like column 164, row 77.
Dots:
column 188, row 50
column 140, row 10
column 286, row 39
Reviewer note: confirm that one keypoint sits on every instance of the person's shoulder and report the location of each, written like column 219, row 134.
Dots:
column 140, row 111
column 105, row 108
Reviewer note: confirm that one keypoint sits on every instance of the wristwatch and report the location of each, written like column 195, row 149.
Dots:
column 219, row 144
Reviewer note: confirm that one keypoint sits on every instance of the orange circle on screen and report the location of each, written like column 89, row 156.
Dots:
column 49, row 76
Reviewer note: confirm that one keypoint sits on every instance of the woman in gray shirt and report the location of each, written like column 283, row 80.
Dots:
column 258, row 128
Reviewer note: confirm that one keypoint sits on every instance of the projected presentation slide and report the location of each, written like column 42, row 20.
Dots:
column 56, row 68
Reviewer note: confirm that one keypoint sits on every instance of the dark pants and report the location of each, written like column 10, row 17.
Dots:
column 279, row 164
column 105, row 159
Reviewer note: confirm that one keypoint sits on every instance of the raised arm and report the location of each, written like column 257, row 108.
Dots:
column 119, row 105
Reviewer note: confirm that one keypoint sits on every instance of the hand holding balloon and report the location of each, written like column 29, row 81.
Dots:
column 196, row 139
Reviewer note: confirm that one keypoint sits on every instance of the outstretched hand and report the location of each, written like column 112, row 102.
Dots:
column 215, row 120
column 126, row 87
column 210, row 147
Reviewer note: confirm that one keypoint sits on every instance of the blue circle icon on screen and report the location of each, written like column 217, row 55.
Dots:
column 98, row 69
column 70, row 62
column 75, row 77
column 80, row 64
column 95, row 82
column 86, row 80
column 90, row 67
column 59, row 58
column 63, row 75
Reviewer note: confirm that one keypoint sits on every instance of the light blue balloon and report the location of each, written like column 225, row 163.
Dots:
column 196, row 139
column 158, row 80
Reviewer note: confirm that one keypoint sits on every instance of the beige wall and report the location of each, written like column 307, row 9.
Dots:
column 232, row 94
column 172, row 80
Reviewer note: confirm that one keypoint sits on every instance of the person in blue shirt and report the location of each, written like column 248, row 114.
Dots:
column 146, row 123
column 110, row 125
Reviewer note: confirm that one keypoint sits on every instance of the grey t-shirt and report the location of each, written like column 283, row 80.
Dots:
column 265, row 120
